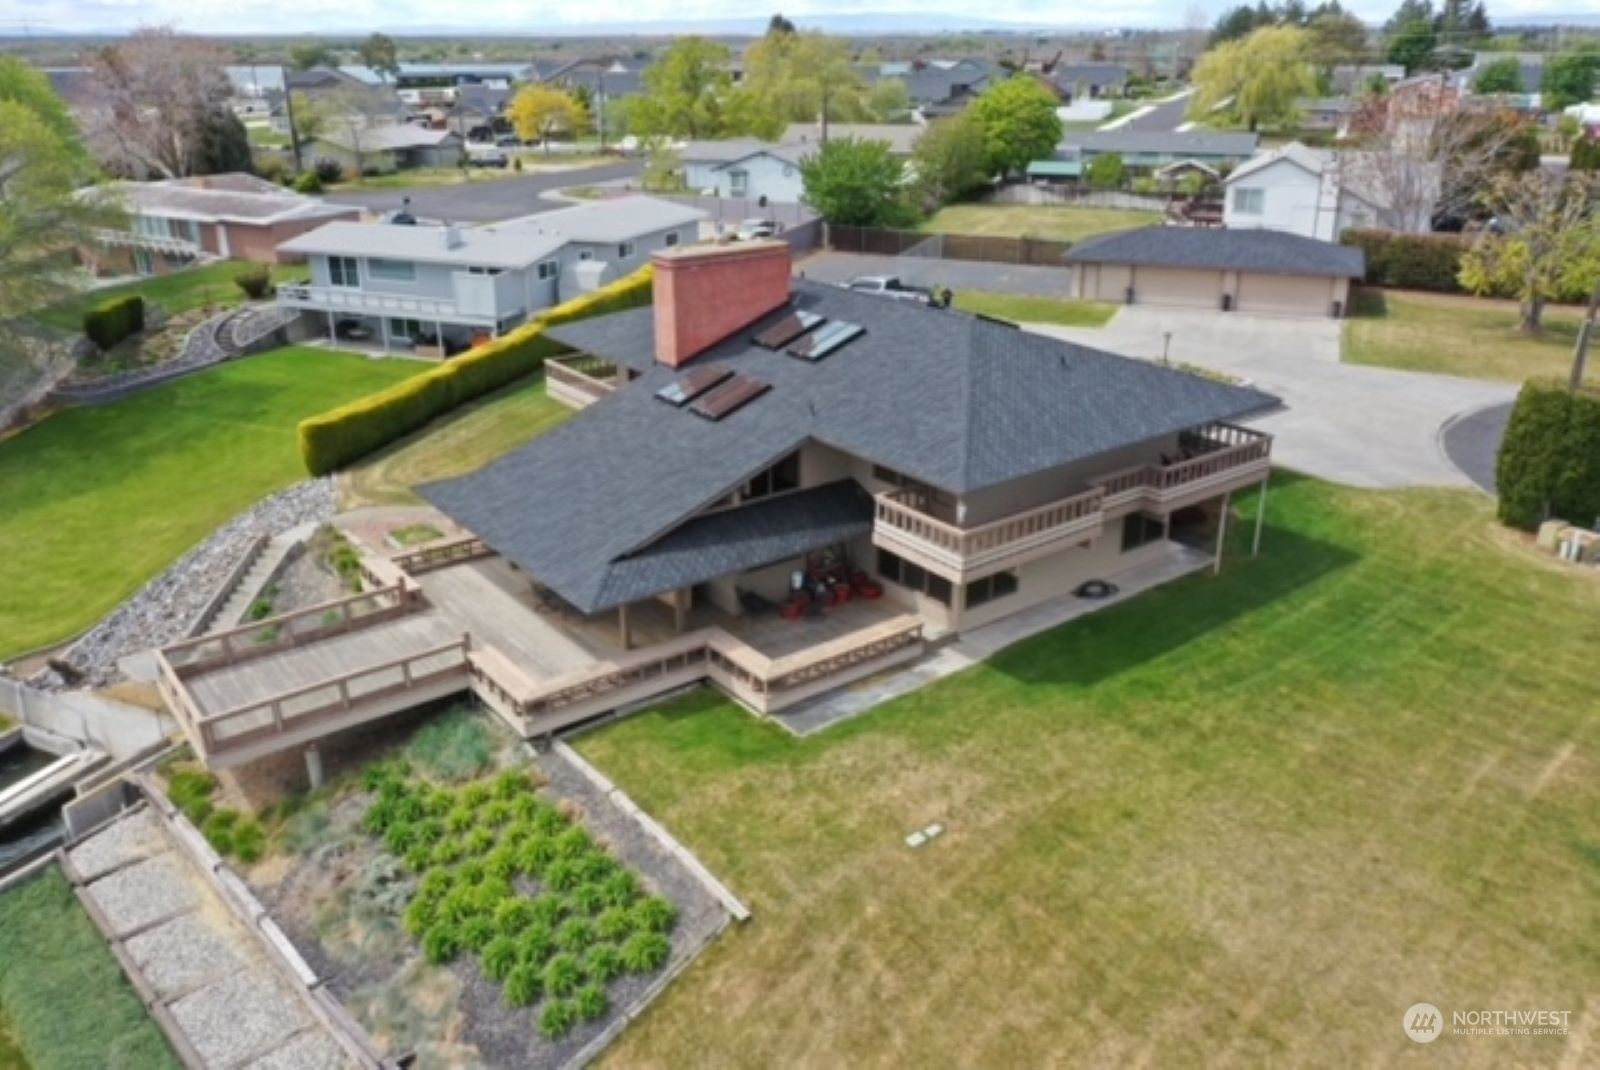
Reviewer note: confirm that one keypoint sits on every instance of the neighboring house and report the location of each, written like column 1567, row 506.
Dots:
column 1325, row 114
column 937, row 90
column 1092, row 80
column 1353, row 79
column 440, row 289
column 438, row 84
column 384, row 147
column 1530, row 69
column 1146, row 150
column 604, row 76
column 1239, row 270
column 478, row 112
column 751, row 168
column 1318, row 193
column 755, row 433
column 900, row 137
column 174, row 223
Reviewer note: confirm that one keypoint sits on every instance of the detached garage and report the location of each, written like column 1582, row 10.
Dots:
column 1261, row 271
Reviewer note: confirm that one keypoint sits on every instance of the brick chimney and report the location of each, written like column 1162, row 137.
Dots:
column 704, row 293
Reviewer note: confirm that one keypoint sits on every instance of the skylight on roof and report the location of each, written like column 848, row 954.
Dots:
column 788, row 329
column 729, row 398
column 697, row 381
column 825, row 340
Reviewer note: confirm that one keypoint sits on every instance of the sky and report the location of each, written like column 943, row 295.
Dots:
column 523, row 16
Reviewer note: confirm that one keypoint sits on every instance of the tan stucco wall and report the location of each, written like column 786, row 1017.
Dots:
column 1296, row 295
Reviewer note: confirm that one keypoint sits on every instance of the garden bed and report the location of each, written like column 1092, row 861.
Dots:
column 474, row 908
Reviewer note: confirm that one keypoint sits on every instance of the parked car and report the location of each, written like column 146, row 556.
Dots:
column 889, row 286
column 751, row 229
column 508, row 141
column 489, row 159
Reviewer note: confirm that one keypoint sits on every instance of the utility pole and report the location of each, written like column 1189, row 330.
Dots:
column 294, row 129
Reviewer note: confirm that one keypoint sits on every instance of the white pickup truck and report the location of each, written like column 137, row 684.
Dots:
column 889, row 286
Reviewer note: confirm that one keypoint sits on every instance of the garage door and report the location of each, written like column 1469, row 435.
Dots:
column 1177, row 286
column 1284, row 295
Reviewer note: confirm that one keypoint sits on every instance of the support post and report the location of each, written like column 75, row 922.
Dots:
column 333, row 333
column 1222, row 532
column 679, row 597
column 314, row 765
column 1261, row 515
column 622, row 627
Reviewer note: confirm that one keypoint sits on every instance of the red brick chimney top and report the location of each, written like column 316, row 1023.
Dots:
column 704, row 293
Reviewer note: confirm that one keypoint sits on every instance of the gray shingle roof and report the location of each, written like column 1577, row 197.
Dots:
column 947, row 398
column 1177, row 142
column 1265, row 251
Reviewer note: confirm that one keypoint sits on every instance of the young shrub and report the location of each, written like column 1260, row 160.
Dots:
column 478, row 841
column 573, row 843
column 441, row 943
column 535, row 945
column 328, row 170
column 562, row 975
column 516, row 835
column 435, row 884
column 459, row 905
column 476, row 932
column 654, row 915
column 510, row 784
column 254, row 282
column 613, row 923
column 457, row 745
column 524, row 985
column 588, row 898
column 502, row 862
column 535, row 855
column 218, row 830
column 460, row 818
column 189, row 788
column 472, row 872
column 550, row 821
column 563, row 875
column 308, row 182
column 399, row 837
column 548, row 909
column 495, row 813
column 527, row 807
column 514, row 915
column 420, row 916
column 590, row 1002
column 447, row 852
column 557, row 1019
column 111, row 321
column 602, row 962
column 574, row 935
column 475, row 795
column 249, row 841
column 597, row 867
column 499, row 958
column 645, row 952
column 489, row 894
column 620, row 889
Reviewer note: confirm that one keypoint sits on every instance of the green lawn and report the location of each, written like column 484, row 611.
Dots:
column 68, row 1005
column 461, row 442
column 1452, row 334
column 1055, row 222
column 1024, row 309
column 1243, row 820
column 210, row 285
column 95, row 501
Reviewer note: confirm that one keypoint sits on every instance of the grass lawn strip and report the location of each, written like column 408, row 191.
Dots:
column 95, row 501
column 1020, row 308
column 206, row 286
column 1453, row 334
column 1054, row 222
column 1246, row 819
column 67, row 1002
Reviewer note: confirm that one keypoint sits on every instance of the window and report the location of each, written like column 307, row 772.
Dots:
column 342, row 271
column 897, row 569
column 991, row 587
column 393, row 270
column 785, row 475
column 547, row 269
column 1139, row 530
column 399, row 328
column 585, row 254
column 625, row 250
column 738, row 183
column 484, row 271
column 672, row 239
column 1249, row 201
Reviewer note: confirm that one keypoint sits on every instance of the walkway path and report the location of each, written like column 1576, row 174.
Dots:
column 1472, row 441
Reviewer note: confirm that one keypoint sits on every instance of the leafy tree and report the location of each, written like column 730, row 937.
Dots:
column 24, row 85
column 542, row 111
column 222, row 144
column 1019, row 123
column 303, row 57
column 1264, row 76
column 1106, row 172
column 1478, row 21
column 779, row 24
column 1412, row 45
column 1408, row 12
column 1544, row 241
column 1234, row 24
column 663, row 169
column 1336, row 37
column 1501, row 76
column 1570, row 79
column 950, row 159
column 379, row 53
column 889, row 100
column 1585, row 154
column 856, row 183
column 795, row 77
column 685, row 93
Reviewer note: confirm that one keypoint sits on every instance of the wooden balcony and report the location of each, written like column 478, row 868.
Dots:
column 960, row 554
column 1220, row 457
column 579, row 381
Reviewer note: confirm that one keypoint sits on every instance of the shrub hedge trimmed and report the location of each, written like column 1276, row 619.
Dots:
column 111, row 321
column 1411, row 261
column 1549, row 462
column 341, row 436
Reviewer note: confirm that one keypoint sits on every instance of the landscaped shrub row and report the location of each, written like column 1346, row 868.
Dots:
column 346, row 434
column 230, row 833
column 1549, row 462
column 1411, row 261
column 585, row 922
column 111, row 321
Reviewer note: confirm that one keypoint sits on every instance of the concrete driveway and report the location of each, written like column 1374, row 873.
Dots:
column 959, row 275
column 1366, row 427
column 487, row 200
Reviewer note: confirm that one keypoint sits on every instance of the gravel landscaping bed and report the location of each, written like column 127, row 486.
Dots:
column 136, row 836
column 161, row 611
column 183, row 954
column 143, row 893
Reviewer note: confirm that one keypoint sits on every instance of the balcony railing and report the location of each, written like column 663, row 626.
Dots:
column 903, row 523
column 360, row 302
column 1220, row 457
column 160, row 243
column 572, row 380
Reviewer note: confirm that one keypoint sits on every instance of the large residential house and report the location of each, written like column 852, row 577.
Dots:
column 438, row 290
column 753, row 169
column 1145, row 150
column 385, row 147
column 1092, row 80
column 1318, row 193
column 759, row 443
column 176, row 222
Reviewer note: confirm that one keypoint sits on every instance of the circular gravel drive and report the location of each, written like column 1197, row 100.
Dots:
column 1472, row 441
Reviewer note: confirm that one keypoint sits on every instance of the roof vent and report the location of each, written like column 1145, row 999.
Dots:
column 453, row 238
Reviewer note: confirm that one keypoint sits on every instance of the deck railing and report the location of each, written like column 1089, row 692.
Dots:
column 1218, row 449
column 902, row 512
column 441, row 554
column 567, row 382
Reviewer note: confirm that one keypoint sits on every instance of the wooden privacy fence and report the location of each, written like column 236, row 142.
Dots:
column 878, row 241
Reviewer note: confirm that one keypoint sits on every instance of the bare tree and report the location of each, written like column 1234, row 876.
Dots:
column 350, row 117
column 152, row 98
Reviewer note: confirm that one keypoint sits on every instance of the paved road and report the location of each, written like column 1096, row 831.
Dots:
column 1168, row 115
column 957, row 274
column 487, row 201
column 1473, row 441
column 1367, row 427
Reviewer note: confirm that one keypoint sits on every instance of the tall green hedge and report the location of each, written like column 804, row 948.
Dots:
column 341, row 436
column 111, row 321
column 1549, row 462
column 1411, row 261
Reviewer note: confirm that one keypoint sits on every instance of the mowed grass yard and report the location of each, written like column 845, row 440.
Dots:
column 209, row 285
column 1022, row 308
column 1454, row 334
column 1055, row 222
column 1245, row 820
column 462, row 442
column 95, row 501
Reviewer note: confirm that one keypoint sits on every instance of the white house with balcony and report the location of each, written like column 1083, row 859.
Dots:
column 439, row 290
column 1320, row 194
